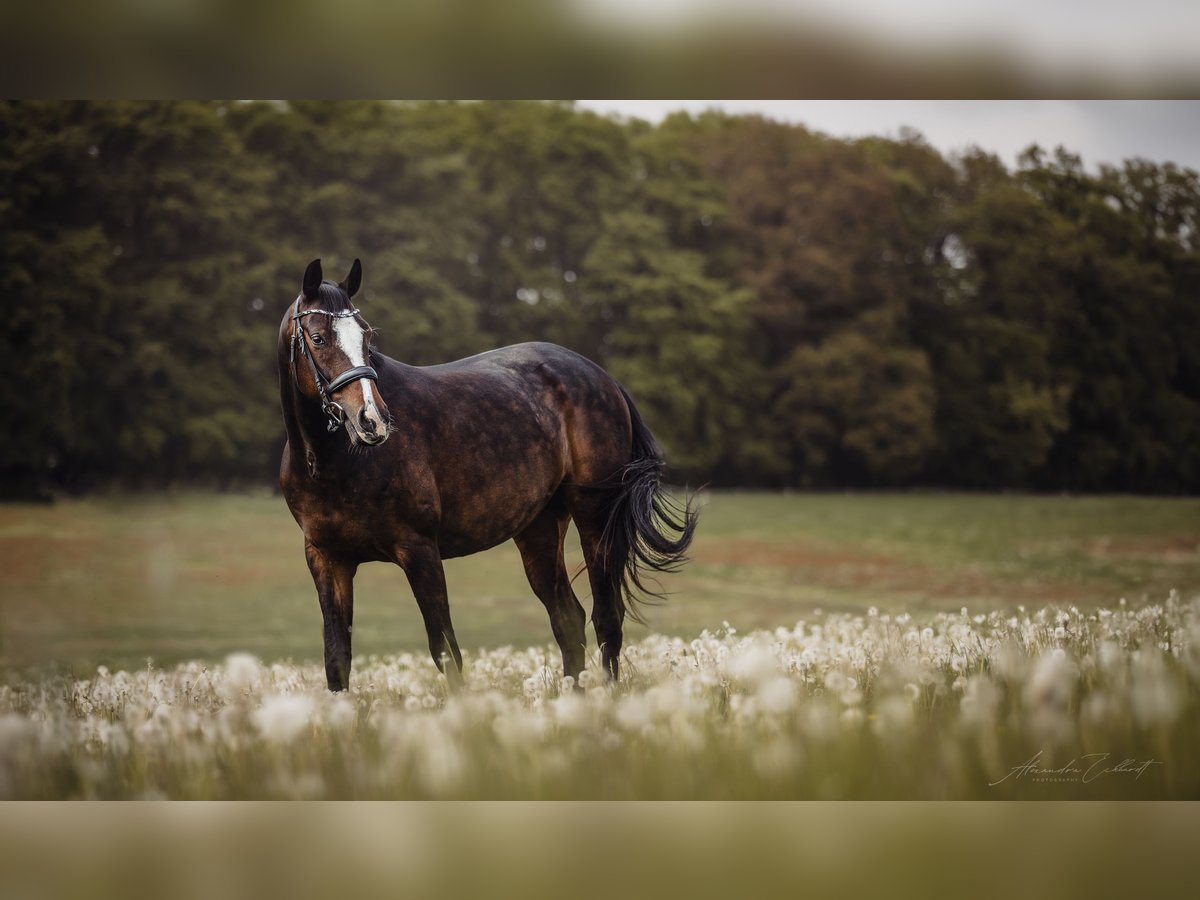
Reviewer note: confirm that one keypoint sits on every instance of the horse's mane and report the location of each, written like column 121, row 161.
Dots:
column 333, row 298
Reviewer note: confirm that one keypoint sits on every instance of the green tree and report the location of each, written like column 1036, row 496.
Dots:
column 855, row 413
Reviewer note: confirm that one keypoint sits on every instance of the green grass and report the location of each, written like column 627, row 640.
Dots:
column 191, row 576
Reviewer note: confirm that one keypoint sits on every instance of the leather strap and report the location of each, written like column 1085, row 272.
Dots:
column 351, row 375
column 325, row 387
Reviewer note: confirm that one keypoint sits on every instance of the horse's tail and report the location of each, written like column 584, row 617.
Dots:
column 646, row 528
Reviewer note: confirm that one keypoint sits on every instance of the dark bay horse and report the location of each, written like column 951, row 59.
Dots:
column 413, row 465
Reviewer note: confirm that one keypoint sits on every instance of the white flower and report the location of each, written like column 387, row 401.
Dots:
column 341, row 713
column 570, row 711
column 633, row 712
column 776, row 696
column 242, row 673
column 753, row 663
column 1051, row 683
column 282, row 717
column 836, row 681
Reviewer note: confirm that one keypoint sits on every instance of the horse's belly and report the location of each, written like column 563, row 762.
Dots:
column 490, row 518
column 497, row 504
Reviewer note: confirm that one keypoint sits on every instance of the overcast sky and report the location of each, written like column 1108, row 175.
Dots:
column 1099, row 130
column 1114, row 36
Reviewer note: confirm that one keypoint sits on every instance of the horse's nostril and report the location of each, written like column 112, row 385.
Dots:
column 367, row 423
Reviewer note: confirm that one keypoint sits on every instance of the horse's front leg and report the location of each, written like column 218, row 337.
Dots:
column 423, row 567
column 334, row 579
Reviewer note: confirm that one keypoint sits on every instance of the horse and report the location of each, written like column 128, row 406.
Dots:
column 417, row 464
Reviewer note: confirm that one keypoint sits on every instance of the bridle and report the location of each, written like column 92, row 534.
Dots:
column 325, row 386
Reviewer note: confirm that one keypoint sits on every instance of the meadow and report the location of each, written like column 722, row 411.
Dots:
column 114, row 581
column 819, row 645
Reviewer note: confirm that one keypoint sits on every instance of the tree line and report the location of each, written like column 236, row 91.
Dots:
column 788, row 309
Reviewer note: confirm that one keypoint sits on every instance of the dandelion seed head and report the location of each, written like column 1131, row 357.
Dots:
column 282, row 717
column 242, row 672
column 1050, row 684
column 776, row 696
column 340, row 713
column 633, row 713
column 753, row 663
column 768, row 698
column 571, row 711
column 835, row 681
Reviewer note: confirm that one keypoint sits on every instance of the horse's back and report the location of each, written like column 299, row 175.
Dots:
column 571, row 389
column 541, row 377
column 504, row 430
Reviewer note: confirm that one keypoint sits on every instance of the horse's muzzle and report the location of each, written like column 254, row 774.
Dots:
column 368, row 429
column 372, row 440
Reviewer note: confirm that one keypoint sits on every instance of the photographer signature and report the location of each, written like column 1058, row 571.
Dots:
column 1084, row 769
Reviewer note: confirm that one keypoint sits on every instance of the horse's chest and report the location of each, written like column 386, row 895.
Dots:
column 365, row 523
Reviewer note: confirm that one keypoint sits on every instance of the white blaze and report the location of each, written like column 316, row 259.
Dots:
column 349, row 335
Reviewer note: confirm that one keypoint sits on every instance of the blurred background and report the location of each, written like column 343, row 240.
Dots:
column 800, row 297
column 710, row 850
column 790, row 309
column 563, row 48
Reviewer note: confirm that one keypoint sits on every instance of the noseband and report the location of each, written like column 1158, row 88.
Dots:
column 325, row 386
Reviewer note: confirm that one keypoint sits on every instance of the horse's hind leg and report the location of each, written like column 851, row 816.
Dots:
column 423, row 567
column 608, row 607
column 541, row 546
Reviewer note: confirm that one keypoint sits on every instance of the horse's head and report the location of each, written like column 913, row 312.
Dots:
column 330, row 349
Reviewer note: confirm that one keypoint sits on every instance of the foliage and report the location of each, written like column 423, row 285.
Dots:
column 790, row 309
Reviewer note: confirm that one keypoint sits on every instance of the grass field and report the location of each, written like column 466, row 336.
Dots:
column 174, row 578
column 898, row 646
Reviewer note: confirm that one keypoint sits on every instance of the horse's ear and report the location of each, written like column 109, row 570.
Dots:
column 312, row 280
column 352, row 281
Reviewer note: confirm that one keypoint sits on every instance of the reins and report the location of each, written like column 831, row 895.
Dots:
column 325, row 386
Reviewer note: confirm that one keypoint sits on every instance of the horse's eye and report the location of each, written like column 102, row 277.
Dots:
column 318, row 340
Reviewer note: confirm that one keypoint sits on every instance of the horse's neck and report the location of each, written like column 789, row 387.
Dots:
column 308, row 440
